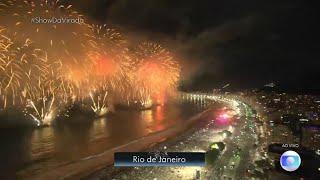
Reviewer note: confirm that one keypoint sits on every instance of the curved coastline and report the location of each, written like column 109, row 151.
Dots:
column 91, row 164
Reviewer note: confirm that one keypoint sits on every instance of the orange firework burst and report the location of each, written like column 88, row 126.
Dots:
column 156, row 70
column 105, row 66
column 111, row 61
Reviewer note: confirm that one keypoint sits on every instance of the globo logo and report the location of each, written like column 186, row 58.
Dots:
column 290, row 161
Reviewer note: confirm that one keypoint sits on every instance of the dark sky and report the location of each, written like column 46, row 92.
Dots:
column 246, row 43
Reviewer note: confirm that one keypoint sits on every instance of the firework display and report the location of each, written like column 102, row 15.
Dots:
column 155, row 71
column 51, row 57
column 23, row 71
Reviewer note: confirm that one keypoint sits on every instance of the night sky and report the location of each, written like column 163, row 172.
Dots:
column 246, row 43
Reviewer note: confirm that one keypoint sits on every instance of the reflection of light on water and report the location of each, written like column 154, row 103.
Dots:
column 148, row 119
column 147, row 116
column 41, row 142
column 159, row 116
column 102, row 121
column 160, row 98
column 99, row 128
column 40, row 134
column 154, row 119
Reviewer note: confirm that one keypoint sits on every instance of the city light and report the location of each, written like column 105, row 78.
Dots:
column 214, row 146
column 224, row 117
column 224, row 135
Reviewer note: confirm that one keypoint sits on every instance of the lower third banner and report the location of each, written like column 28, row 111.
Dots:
column 159, row 159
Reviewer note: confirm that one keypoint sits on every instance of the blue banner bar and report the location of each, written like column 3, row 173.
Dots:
column 122, row 159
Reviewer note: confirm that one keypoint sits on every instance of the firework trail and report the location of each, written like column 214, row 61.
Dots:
column 42, row 111
column 23, row 71
column 99, row 105
column 110, row 36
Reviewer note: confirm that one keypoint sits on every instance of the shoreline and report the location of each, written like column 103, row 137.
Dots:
column 154, row 148
column 196, row 139
column 95, row 163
